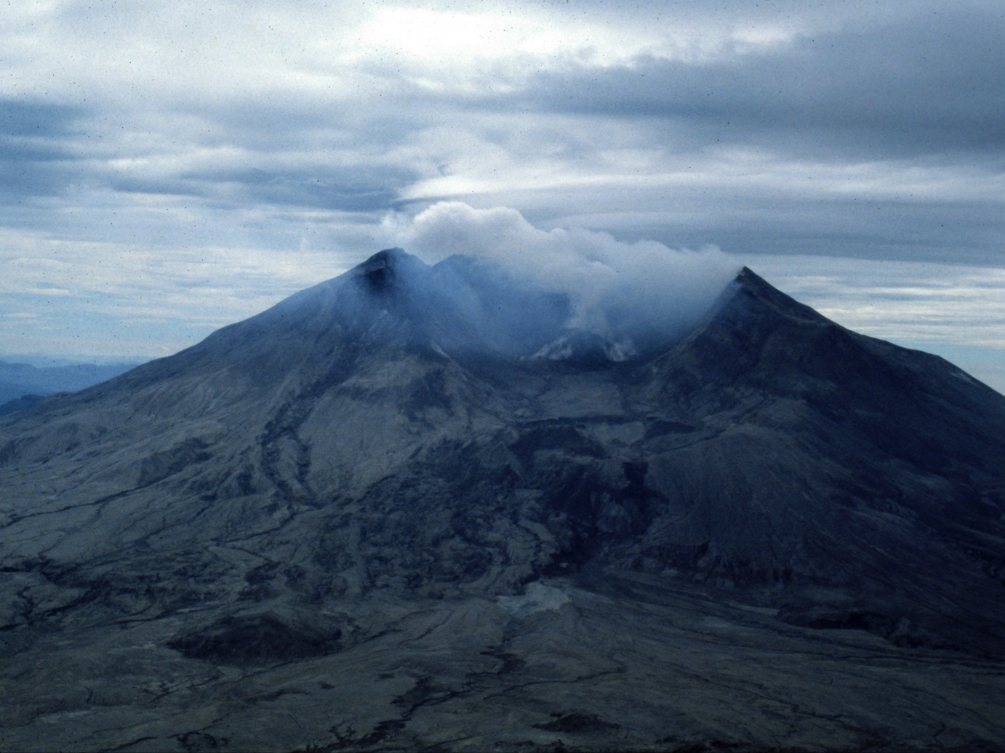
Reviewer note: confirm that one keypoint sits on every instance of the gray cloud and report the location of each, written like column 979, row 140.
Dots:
column 34, row 153
column 366, row 188
column 285, row 135
column 27, row 119
column 931, row 84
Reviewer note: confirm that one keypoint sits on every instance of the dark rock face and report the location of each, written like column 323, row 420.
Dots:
column 413, row 495
column 256, row 638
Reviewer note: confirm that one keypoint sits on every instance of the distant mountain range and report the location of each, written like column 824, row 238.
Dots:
column 416, row 508
column 18, row 380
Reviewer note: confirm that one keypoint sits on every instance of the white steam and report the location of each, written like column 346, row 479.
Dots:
column 617, row 290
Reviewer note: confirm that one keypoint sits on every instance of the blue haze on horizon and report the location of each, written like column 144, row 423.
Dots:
column 168, row 168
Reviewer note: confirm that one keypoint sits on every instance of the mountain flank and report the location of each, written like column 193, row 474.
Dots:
column 415, row 500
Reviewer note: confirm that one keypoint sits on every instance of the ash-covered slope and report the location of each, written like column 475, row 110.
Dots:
column 842, row 461
column 413, row 435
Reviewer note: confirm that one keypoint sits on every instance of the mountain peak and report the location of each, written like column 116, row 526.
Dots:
column 750, row 288
column 381, row 270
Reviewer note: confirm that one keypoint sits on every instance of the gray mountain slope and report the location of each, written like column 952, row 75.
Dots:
column 376, row 482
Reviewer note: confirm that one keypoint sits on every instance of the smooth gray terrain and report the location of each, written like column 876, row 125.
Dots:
column 410, row 508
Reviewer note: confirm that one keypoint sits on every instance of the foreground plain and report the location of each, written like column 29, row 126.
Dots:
column 630, row 662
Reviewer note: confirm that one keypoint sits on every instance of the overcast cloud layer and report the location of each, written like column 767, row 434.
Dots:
column 166, row 168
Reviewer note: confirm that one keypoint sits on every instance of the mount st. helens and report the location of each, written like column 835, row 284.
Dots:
column 413, row 498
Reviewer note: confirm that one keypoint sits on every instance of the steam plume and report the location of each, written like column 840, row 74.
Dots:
column 632, row 292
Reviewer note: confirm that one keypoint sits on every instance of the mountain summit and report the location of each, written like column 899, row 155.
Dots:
column 445, row 485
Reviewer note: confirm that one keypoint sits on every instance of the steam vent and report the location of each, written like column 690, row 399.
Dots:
column 434, row 508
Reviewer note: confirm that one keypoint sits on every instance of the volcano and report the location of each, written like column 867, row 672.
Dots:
column 418, row 507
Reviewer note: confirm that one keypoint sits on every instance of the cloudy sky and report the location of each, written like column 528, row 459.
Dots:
column 168, row 168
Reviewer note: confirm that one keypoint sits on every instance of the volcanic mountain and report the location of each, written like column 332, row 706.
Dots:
column 413, row 506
